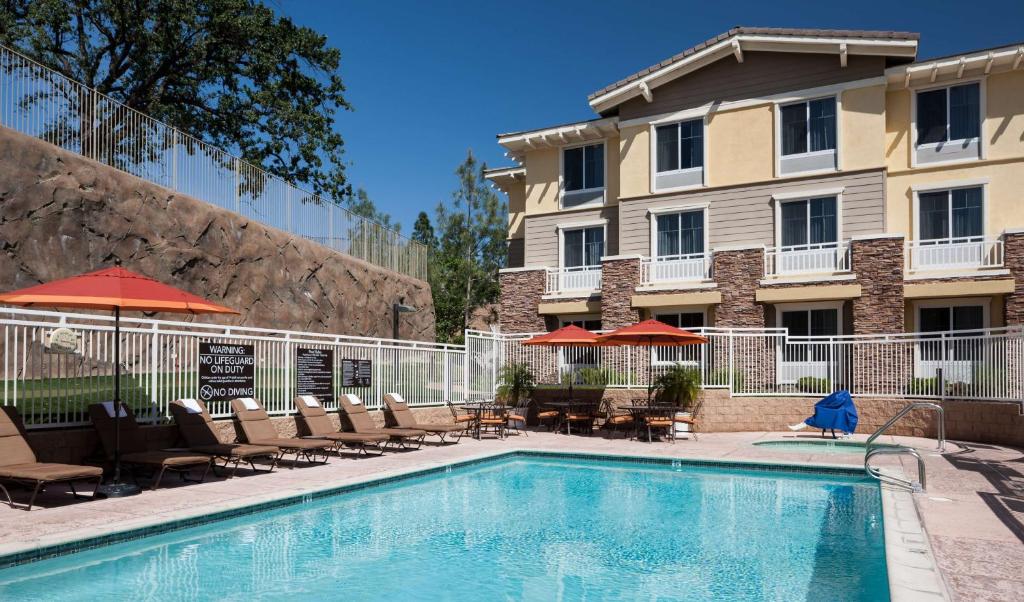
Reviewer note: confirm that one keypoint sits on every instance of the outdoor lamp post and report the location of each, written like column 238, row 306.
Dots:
column 396, row 310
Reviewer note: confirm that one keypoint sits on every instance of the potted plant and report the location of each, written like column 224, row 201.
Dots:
column 679, row 386
column 515, row 383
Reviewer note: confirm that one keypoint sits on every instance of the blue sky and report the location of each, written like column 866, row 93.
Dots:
column 430, row 80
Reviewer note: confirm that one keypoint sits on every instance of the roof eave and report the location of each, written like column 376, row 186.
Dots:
column 735, row 46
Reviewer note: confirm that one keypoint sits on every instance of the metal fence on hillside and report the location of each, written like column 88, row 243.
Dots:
column 40, row 102
column 160, row 363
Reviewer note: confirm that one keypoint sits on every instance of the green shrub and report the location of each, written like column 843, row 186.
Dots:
column 726, row 376
column 679, row 386
column 515, row 382
column 813, row 384
column 923, row 386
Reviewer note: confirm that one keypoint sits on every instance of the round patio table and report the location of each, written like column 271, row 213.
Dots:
column 567, row 407
column 642, row 411
column 476, row 408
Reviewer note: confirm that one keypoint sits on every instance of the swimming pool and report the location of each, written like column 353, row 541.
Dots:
column 522, row 527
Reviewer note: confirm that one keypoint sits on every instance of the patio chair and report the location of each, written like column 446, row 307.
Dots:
column 314, row 417
column 259, row 430
column 581, row 415
column 615, row 420
column 20, row 465
column 355, row 411
column 196, row 427
column 548, row 418
column 660, row 421
column 402, row 417
column 493, row 418
column 460, row 418
column 516, row 416
column 134, row 451
column 692, row 420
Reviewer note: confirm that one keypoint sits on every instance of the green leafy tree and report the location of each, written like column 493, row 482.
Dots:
column 470, row 250
column 361, row 204
column 423, row 231
column 229, row 72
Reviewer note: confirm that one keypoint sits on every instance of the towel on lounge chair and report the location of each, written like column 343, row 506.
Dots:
column 835, row 412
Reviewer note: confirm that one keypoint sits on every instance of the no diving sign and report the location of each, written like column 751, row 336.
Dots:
column 226, row 371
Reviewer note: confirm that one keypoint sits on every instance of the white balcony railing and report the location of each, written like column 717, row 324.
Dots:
column 675, row 268
column 822, row 258
column 954, row 253
column 585, row 278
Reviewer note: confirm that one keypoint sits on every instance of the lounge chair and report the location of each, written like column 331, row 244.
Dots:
column 352, row 407
column 402, row 417
column 196, row 427
column 19, row 463
column 259, row 430
column 319, row 425
column 134, row 451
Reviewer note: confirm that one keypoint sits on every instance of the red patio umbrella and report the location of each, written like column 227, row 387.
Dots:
column 115, row 289
column 650, row 334
column 567, row 336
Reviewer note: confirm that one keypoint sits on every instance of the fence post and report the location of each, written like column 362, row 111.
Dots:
column 378, row 393
column 238, row 187
column 174, row 159
column 286, row 395
column 831, row 365
column 288, row 207
column 154, row 374
column 446, row 389
column 731, row 373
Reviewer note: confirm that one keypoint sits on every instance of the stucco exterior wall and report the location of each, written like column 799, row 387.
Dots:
column 740, row 146
column 862, row 128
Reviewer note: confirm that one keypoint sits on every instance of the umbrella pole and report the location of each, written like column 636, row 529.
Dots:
column 116, row 488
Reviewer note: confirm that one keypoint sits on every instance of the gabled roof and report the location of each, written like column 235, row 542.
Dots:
column 736, row 40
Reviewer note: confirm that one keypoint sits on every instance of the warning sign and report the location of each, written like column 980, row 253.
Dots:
column 226, row 371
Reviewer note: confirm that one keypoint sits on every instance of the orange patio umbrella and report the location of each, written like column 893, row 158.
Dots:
column 650, row 334
column 115, row 289
column 567, row 336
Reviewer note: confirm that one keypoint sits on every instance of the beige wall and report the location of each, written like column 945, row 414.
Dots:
column 740, row 147
column 635, row 157
column 516, row 193
column 543, row 173
column 862, row 128
column 1003, row 131
column 542, row 233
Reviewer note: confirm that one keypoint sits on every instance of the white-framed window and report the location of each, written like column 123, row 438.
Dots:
column 809, row 320
column 687, row 319
column 583, row 174
column 808, row 223
column 808, row 135
column 954, row 357
column 956, row 213
column 582, row 246
column 947, row 123
column 678, row 150
column 679, row 234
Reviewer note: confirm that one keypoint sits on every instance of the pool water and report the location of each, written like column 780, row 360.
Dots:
column 521, row 528
column 822, row 446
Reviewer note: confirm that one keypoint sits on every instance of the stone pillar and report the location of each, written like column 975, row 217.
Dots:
column 619, row 278
column 1013, row 259
column 878, row 265
column 521, row 292
column 737, row 274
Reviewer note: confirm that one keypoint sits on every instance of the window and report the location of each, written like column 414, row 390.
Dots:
column 687, row 321
column 949, row 114
column 949, row 214
column 583, row 167
column 680, row 234
column 680, row 146
column 592, row 324
column 809, row 127
column 946, row 318
column 583, row 247
column 809, row 222
column 809, row 323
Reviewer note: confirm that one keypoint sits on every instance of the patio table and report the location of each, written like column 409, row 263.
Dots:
column 477, row 408
column 571, row 407
column 642, row 411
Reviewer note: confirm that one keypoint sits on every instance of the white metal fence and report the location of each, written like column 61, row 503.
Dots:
column 40, row 102
column 953, row 253
column 160, row 361
column 671, row 268
column 973, row 365
column 807, row 259
column 581, row 278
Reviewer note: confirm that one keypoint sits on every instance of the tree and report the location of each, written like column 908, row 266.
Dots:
column 423, row 231
column 361, row 205
column 470, row 250
column 229, row 72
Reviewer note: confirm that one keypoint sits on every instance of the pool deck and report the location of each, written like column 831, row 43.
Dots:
column 972, row 513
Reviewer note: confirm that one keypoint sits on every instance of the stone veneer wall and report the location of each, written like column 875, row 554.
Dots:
column 62, row 214
column 619, row 279
column 1013, row 258
column 878, row 264
column 521, row 293
column 737, row 274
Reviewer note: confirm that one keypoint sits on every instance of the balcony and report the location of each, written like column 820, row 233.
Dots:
column 584, row 280
column 971, row 252
column 675, row 268
column 798, row 260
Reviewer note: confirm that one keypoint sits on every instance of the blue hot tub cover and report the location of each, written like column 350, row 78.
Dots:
column 835, row 412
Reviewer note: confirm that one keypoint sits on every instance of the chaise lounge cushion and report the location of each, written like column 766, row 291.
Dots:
column 45, row 471
column 18, row 460
column 259, row 430
column 196, row 427
column 361, row 422
column 404, row 418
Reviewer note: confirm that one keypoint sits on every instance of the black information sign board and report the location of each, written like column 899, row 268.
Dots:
column 226, row 371
column 356, row 373
column 314, row 373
